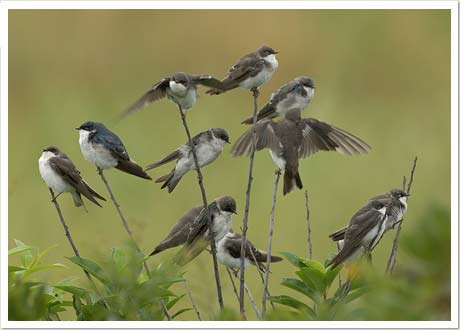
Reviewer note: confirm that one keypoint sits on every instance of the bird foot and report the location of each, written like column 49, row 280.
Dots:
column 255, row 91
column 54, row 199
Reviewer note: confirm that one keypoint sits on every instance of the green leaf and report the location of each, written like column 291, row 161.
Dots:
column 119, row 258
column 43, row 267
column 292, row 302
column 301, row 287
column 19, row 249
column 331, row 274
column 293, row 259
column 13, row 269
column 173, row 301
column 179, row 312
column 315, row 265
column 313, row 277
column 76, row 291
column 355, row 294
column 91, row 267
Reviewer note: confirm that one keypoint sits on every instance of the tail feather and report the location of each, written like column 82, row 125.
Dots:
column 266, row 111
column 132, row 168
column 170, row 180
column 77, row 199
column 338, row 235
column 94, row 193
column 172, row 156
column 291, row 179
column 342, row 256
column 227, row 84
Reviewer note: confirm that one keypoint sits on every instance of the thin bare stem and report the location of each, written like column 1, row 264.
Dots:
column 340, row 278
column 205, row 203
column 310, row 248
column 69, row 238
column 192, row 300
column 235, row 291
column 392, row 259
column 262, row 276
column 255, row 93
column 130, row 233
column 270, row 242
column 251, row 298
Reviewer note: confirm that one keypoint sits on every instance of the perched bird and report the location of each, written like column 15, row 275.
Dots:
column 364, row 231
column 396, row 202
column 105, row 150
column 293, row 138
column 208, row 146
column 294, row 95
column 229, row 253
column 61, row 175
column 251, row 71
column 180, row 89
column 222, row 209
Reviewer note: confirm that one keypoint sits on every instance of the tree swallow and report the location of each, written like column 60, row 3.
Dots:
column 180, row 89
column 229, row 253
column 293, row 138
column 364, row 231
column 104, row 149
column 396, row 202
column 294, row 95
column 61, row 175
column 251, row 71
column 193, row 224
column 208, row 146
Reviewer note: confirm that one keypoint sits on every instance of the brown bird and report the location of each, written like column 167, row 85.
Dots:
column 293, row 138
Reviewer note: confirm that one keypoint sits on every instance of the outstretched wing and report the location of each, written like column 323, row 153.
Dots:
column 208, row 81
column 265, row 138
column 156, row 92
column 319, row 135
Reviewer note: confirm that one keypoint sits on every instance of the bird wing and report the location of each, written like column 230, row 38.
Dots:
column 319, row 135
column 111, row 142
column 208, row 81
column 265, row 138
column 69, row 173
column 156, row 92
column 247, row 66
column 360, row 225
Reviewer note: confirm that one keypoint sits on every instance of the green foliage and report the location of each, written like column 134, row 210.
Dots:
column 120, row 290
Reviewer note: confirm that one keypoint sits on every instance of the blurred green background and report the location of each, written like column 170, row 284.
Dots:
column 383, row 75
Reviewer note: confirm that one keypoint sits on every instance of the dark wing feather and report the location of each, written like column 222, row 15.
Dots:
column 67, row 170
column 246, row 67
column 156, row 92
column 265, row 138
column 208, row 81
column 113, row 143
column 319, row 135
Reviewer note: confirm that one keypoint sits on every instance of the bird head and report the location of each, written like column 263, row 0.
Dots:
column 227, row 204
column 90, row 126
column 220, row 134
column 265, row 51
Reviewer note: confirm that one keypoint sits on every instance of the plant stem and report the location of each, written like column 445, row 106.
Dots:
column 69, row 238
column 205, row 203
column 262, row 276
column 255, row 94
column 310, row 248
column 192, row 300
column 251, row 298
column 270, row 242
column 235, row 291
column 130, row 233
column 392, row 259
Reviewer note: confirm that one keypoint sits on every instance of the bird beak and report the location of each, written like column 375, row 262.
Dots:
column 228, row 142
column 78, row 128
column 407, row 195
column 44, row 150
column 276, row 52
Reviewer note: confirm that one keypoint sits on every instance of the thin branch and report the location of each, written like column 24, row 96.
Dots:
column 192, row 300
column 262, row 276
column 392, row 259
column 130, row 233
column 340, row 278
column 255, row 93
column 235, row 291
column 205, row 203
column 310, row 248
column 270, row 241
column 69, row 238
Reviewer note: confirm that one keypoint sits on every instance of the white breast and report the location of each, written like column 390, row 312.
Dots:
column 51, row 178
column 222, row 225
column 226, row 259
column 96, row 153
column 258, row 80
column 182, row 96
column 279, row 161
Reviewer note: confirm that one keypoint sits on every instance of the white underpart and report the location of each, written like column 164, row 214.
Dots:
column 375, row 234
column 222, row 225
column 96, row 153
column 225, row 258
column 206, row 153
column 263, row 76
column 294, row 101
column 179, row 94
column 279, row 161
column 51, row 178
